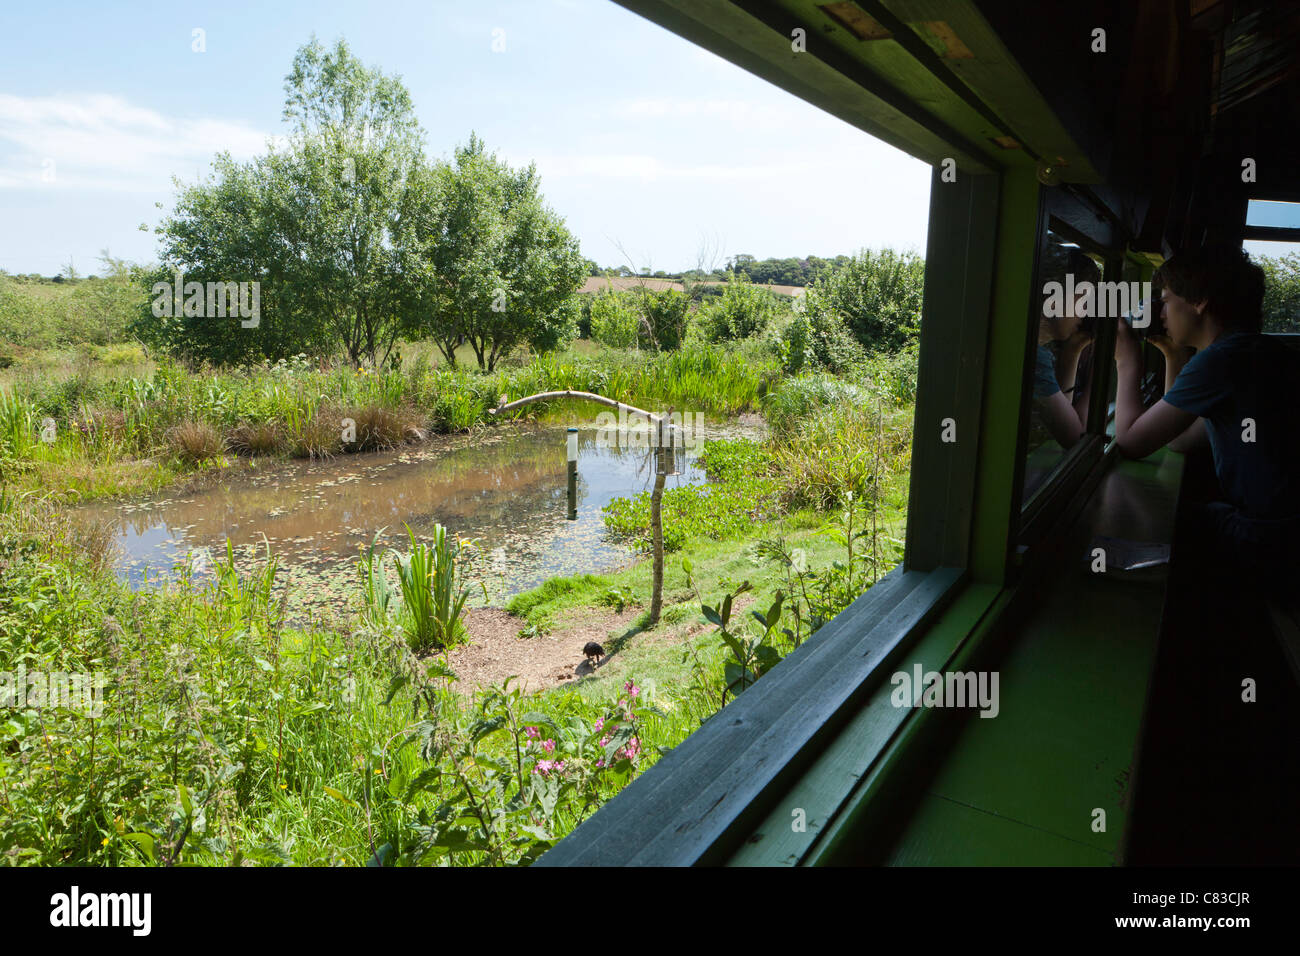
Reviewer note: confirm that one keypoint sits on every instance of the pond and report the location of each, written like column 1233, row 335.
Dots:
column 505, row 489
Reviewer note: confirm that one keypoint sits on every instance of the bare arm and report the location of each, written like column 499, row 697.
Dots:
column 1175, row 358
column 1068, row 420
column 1194, row 437
column 1061, row 419
column 1138, row 433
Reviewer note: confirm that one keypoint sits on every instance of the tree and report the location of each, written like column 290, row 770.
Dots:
column 1281, row 293
column 878, row 297
column 314, row 223
column 501, row 267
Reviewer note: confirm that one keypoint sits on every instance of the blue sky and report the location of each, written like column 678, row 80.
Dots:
column 654, row 150
column 642, row 140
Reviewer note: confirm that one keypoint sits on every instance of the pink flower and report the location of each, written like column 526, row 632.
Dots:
column 600, row 724
column 605, row 740
column 631, row 688
column 548, row 746
column 532, row 733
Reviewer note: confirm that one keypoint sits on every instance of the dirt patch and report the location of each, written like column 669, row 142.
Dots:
column 496, row 651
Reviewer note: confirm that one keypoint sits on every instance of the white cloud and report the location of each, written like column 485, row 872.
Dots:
column 102, row 142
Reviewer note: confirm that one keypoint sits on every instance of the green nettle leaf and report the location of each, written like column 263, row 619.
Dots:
column 482, row 728
column 396, row 684
column 424, row 780
column 381, row 856
column 436, row 670
column 618, row 740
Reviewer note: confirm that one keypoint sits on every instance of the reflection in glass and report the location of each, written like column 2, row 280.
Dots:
column 1060, row 394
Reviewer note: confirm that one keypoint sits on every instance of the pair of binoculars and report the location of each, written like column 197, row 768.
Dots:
column 1156, row 326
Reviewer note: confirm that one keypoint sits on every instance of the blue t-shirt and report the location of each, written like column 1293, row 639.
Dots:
column 1240, row 376
column 1045, row 384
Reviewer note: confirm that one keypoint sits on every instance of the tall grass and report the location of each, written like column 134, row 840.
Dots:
column 17, row 424
column 295, row 408
column 376, row 593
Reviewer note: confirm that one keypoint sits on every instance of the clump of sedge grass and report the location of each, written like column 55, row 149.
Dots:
column 195, row 441
column 255, row 439
column 379, row 427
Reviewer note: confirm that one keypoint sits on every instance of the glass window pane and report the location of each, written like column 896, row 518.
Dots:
column 1267, row 212
column 1059, row 389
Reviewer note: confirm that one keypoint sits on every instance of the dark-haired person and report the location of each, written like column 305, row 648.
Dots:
column 1062, row 408
column 1240, row 392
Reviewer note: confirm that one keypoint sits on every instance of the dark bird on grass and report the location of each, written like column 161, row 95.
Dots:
column 593, row 650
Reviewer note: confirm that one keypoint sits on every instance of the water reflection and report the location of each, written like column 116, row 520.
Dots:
column 506, row 489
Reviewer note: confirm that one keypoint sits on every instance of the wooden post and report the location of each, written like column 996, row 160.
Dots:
column 573, row 473
column 656, row 521
column 656, row 496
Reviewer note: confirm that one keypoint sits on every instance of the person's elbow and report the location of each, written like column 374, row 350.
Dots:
column 1154, row 429
column 1126, row 448
column 1069, row 439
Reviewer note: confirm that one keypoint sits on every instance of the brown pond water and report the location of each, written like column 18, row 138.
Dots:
column 506, row 489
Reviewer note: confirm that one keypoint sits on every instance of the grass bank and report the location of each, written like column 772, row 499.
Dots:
column 92, row 435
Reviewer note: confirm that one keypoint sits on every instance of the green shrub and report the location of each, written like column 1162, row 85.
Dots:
column 742, row 310
column 816, row 339
column 665, row 315
column 255, row 439
column 876, row 295
column 614, row 320
column 1281, row 292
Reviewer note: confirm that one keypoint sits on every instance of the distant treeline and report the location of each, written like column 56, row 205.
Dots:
column 801, row 272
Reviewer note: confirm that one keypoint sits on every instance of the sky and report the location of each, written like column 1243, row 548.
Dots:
column 658, row 154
